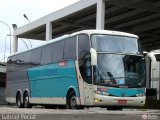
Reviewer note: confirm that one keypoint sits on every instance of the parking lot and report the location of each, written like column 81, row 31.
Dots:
column 40, row 113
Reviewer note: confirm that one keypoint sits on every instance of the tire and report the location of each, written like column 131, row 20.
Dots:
column 19, row 101
column 72, row 101
column 26, row 101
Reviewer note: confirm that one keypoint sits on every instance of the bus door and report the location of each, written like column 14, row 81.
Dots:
column 85, row 67
column 88, row 86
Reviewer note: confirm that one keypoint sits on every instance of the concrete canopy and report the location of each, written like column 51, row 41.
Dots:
column 141, row 17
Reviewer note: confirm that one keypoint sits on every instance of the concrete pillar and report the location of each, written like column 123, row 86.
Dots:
column 48, row 31
column 100, row 18
column 14, row 45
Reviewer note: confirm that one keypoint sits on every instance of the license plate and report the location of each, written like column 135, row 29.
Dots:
column 122, row 102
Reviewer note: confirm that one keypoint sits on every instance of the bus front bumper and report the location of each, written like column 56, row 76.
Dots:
column 119, row 101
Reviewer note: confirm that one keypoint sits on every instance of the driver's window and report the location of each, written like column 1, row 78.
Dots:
column 87, row 70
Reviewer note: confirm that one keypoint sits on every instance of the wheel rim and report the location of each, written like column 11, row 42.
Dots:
column 19, row 101
column 73, row 102
column 26, row 101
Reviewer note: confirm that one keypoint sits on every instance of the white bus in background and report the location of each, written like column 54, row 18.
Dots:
column 153, row 75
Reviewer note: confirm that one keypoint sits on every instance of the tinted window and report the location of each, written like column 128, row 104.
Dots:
column 11, row 63
column 70, row 48
column 57, row 51
column 3, row 79
column 19, row 62
column 46, row 54
column 12, row 59
column 19, row 58
column 83, row 46
column 36, row 56
column 27, row 57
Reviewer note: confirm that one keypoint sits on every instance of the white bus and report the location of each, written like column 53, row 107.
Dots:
column 152, row 75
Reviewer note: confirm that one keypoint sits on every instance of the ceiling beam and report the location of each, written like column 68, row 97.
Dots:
column 140, row 4
column 64, row 25
column 123, row 16
column 151, row 47
column 137, row 21
column 146, row 27
column 151, row 34
column 93, row 16
column 150, row 40
column 73, row 24
column 76, row 29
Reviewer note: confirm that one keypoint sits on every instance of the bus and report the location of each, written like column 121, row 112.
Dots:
column 88, row 68
column 152, row 75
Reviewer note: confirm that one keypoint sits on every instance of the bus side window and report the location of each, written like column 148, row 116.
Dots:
column 36, row 60
column 27, row 59
column 46, row 54
column 70, row 48
column 11, row 63
column 19, row 62
column 57, row 51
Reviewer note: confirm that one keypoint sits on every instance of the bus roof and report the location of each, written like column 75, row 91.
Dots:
column 108, row 32
column 89, row 32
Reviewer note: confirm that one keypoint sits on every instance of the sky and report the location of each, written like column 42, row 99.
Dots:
column 11, row 12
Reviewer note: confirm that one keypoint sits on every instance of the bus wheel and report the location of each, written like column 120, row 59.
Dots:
column 18, row 100
column 26, row 100
column 72, row 102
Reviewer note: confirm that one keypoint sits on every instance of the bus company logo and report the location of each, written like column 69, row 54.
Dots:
column 102, row 89
column 122, row 94
column 144, row 117
column 63, row 63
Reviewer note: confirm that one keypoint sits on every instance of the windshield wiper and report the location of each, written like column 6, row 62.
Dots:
column 130, row 85
column 117, row 77
column 108, row 85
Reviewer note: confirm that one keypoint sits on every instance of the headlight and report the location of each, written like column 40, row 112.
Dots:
column 96, row 100
column 140, row 95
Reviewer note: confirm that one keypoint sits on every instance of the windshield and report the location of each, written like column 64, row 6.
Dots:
column 119, row 70
column 115, row 44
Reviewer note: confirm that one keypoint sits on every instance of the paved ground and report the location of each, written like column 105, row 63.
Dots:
column 14, row 113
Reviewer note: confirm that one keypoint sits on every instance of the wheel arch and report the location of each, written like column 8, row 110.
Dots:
column 70, row 89
column 26, row 91
column 19, row 91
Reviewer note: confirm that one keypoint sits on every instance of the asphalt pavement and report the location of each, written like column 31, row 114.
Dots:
column 38, row 113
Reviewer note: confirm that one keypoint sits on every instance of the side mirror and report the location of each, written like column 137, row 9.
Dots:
column 157, row 57
column 93, row 57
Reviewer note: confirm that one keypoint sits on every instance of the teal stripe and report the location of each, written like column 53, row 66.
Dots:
column 52, row 80
column 128, row 92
